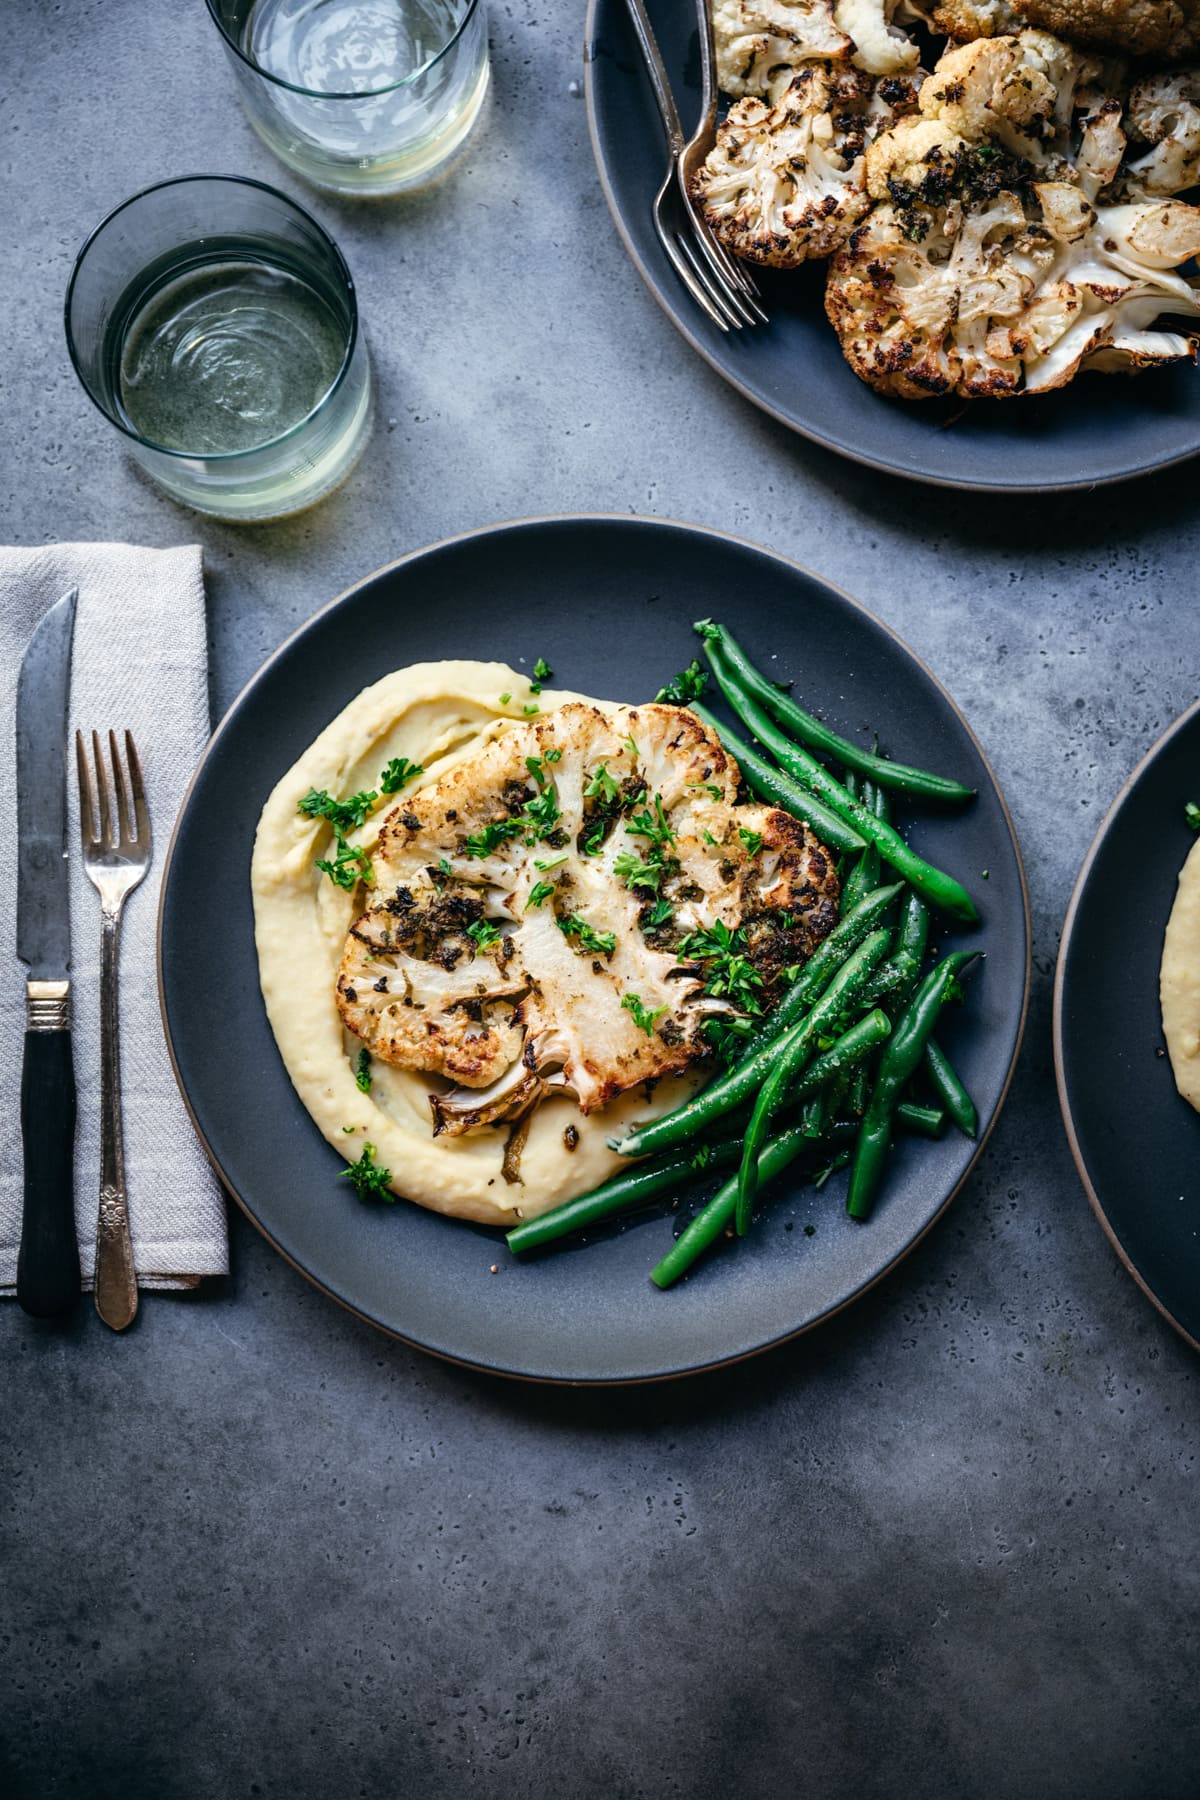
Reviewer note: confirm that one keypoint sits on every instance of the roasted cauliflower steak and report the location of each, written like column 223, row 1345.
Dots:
column 1000, row 255
column 544, row 916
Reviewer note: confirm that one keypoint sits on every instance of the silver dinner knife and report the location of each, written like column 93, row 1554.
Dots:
column 48, row 1263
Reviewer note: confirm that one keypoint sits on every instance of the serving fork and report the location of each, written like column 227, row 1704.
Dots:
column 114, row 823
column 713, row 278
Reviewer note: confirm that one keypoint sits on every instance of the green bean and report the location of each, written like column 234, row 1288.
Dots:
column 843, row 1055
column 939, row 888
column 632, row 1187
column 791, row 1053
column 770, row 783
column 897, row 977
column 904, row 1050
column 729, row 1090
column 708, row 1225
column 862, row 879
column 949, row 1089
column 914, row 1120
column 819, row 737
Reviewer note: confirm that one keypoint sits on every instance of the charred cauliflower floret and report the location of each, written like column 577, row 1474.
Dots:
column 1011, row 295
column 549, row 916
column 1165, row 29
column 783, row 184
column 761, row 44
column 881, row 47
column 1163, row 122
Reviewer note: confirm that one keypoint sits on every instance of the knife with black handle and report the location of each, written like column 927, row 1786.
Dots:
column 48, row 1261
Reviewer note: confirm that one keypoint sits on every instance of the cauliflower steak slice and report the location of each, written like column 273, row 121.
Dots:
column 566, row 909
column 990, row 263
column 760, row 44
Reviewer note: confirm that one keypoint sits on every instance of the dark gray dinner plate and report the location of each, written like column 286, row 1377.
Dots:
column 609, row 602
column 1136, row 1142
column 1101, row 428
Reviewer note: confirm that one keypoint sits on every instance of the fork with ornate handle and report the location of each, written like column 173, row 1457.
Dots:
column 117, row 848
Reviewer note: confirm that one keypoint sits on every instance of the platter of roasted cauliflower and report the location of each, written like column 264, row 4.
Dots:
column 993, row 225
column 944, row 203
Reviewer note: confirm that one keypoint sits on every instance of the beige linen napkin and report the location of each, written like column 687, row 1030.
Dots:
column 139, row 664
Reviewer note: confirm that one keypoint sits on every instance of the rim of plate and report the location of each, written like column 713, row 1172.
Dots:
column 246, row 694
column 826, row 442
column 1123, row 793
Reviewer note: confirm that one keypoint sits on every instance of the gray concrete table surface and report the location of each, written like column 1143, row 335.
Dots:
column 946, row 1545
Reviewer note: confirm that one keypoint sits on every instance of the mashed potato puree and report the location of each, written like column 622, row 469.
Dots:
column 1179, row 981
column 434, row 714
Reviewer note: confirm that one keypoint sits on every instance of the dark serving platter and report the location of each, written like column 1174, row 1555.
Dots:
column 1101, row 428
column 610, row 603
column 1136, row 1142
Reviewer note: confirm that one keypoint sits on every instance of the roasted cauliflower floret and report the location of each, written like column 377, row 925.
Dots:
column 783, row 184
column 761, row 44
column 881, row 47
column 1014, row 294
column 545, row 917
column 1168, row 29
column 1163, row 122
column 966, row 20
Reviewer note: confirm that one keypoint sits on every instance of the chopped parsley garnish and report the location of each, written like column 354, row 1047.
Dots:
column 541, row 890
column 709, row 838
column 1191, row 813
column 534, row 765
column 593, row 842
column 343, row 815
column 541, row 672
column 349, row 866
column 482, row 843
column 653, row 825
column 530, row 710
column 370, row 1181
column 632, row 742
column 643, row 1018
column 542, row 813
column 688, row 685
column 751, row 839
column 586, row 939
column 553, row 756
column 444, row 866
column 706, row 787
column 504, row 699
column 398, row 774
column 638, row 875
column 362, row 1071
column 601, row 786
column 551, row 862
column 661, row 914
column 483, row 932
column 730, row 973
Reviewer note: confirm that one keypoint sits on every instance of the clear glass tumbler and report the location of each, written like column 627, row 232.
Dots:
column 214, row 322
column 363, row 97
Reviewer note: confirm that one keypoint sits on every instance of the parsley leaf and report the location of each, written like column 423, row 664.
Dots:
column 643, row 1018
column 554, row 756
column 542, row 670
column 727, row 1037
column 362, row 1071
column 638, row 875
column 662, row 913
column 586, row 940
column 541, row 890
column 601, row 786
column 343, row 815
column 551, row 862
column 398, row 774
column 688, row 685
column 483, row 932
column 653, row 825
column 504, row 699
column 482, row 843
column 751, row 839
column 370, row 1181
column 1191, row 813
column 349, row 866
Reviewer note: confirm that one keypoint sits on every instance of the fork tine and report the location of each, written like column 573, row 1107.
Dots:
column 87, row 794
column 106, row 830
column 118, row 775
column 709, row 283
column 710, row 251
column 690, row 281
column 137, row 787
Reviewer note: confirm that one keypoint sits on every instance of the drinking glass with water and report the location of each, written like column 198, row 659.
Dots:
column 359, row 96
column 215, row 324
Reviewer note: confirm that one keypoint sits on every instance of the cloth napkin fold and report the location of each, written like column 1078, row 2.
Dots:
column 139, row 664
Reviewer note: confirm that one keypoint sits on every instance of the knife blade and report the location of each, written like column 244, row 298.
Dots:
column 48, row 1261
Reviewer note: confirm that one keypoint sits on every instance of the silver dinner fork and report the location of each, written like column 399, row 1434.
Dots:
column 705, row 269
column 114, row 823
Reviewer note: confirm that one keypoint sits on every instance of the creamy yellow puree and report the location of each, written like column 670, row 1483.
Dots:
column 1179, row 981
column 434, row 714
